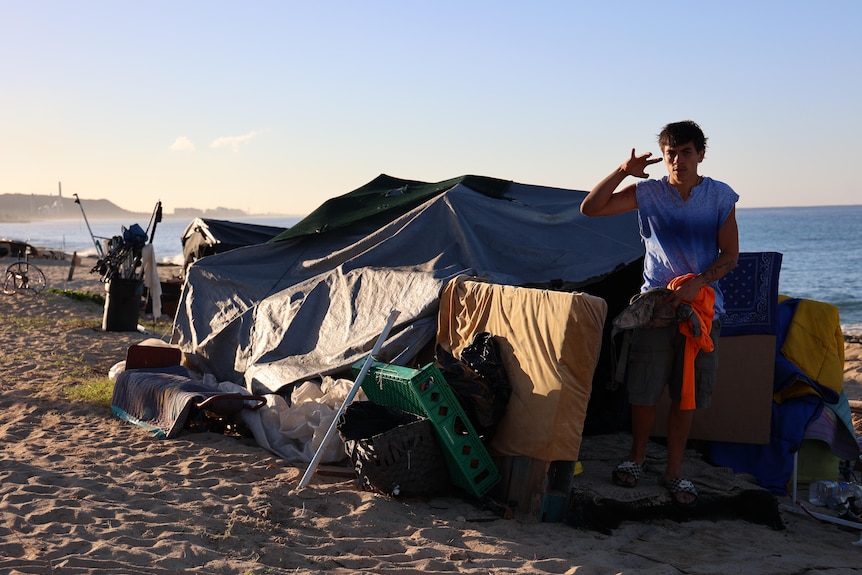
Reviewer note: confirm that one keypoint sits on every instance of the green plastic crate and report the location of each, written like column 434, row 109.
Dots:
column 425, row 392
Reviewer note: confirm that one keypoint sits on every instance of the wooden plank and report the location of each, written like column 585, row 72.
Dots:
column 523, row 483
column 555, row 503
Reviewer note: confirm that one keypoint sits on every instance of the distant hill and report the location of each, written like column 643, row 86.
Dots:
column 29, row 207
column 26, row 207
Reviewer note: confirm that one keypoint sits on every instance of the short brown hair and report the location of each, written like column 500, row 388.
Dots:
column 678, row 133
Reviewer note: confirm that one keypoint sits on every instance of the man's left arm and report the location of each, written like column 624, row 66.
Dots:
column 728, row 256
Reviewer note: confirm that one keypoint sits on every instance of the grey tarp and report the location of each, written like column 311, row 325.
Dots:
column 270, row 315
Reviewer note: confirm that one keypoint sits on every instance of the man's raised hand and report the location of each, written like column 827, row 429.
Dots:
column 636, row 165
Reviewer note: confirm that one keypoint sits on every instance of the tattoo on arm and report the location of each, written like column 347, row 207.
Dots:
column 718, row 270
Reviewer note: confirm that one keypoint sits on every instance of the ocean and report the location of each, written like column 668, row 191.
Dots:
column 821, row 247
column 822, row 253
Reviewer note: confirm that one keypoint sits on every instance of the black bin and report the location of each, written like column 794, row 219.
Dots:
column 122, row 304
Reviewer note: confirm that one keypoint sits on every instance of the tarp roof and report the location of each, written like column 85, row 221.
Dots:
column 313, row 300
column 382, row 200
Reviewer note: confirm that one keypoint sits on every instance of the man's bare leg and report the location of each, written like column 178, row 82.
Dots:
column 678, row 428
column 643, row 421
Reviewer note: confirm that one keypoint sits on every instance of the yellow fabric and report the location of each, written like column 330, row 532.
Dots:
column 549, row 343
column 815, row 344
column 703, row 308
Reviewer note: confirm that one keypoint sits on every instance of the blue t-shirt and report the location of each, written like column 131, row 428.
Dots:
column 681, row 237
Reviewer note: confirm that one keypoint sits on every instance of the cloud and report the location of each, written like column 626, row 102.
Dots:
column 235, row 141
column 183, row 144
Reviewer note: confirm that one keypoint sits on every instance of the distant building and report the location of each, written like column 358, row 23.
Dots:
column 213, row 213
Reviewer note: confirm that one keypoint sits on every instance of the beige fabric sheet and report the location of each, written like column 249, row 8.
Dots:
column 550, row 343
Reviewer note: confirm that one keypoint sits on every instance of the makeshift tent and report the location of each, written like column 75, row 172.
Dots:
column 206, row 236
column 312, row 301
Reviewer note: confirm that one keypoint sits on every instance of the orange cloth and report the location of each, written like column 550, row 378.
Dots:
column 702, row 306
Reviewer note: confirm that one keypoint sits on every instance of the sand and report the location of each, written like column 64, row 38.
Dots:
column 84, row 492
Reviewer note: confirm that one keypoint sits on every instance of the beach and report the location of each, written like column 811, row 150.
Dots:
column 83, row 492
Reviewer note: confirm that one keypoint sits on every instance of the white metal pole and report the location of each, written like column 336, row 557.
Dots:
column 97, row 244
column 315, row 461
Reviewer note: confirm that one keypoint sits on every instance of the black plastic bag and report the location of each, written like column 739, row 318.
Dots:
column 479, row 381
column 364, row 419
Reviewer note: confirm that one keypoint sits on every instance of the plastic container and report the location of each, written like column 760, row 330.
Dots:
column 825, row 492
column 122, row 304
column 848, row 500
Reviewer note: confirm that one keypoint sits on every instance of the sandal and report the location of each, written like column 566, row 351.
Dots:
column 682, row 491
column 627, row 474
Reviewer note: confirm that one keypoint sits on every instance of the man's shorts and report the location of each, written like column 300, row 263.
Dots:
column 655, row 360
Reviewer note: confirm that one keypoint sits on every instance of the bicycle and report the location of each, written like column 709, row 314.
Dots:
column 22, row 276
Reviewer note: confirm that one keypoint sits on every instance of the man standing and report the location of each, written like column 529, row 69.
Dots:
column 688, row 226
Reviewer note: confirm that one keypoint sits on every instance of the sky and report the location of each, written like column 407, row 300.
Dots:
column 274, row 107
